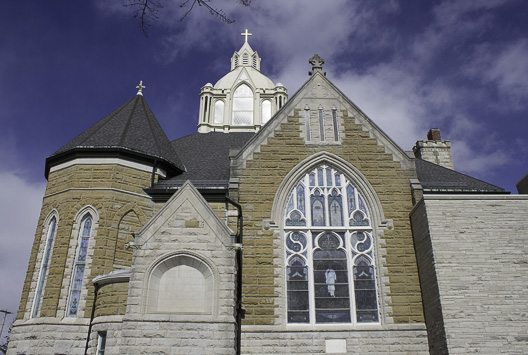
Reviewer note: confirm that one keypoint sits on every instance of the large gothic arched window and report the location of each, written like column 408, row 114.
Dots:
column 243, row 106
column 329, row 247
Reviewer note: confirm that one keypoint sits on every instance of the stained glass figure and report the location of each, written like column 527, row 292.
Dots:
column 332, row 303
column 318, row 218
column 351, row 199
column 300, row 198
column 336, row 209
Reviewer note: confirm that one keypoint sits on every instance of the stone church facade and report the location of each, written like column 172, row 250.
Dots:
column 283, row 226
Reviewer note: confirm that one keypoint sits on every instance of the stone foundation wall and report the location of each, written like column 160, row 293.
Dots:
column 400, row 339
column 53, row 336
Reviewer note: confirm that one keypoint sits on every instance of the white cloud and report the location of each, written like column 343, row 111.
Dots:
column 505, row 66
column 396, row 91
column 478, row 160
column 19, row 210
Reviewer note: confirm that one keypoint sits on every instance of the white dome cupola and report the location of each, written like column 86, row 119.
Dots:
column 244, row 99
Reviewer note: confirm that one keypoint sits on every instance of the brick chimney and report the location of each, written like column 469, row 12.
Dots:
column 434, row 149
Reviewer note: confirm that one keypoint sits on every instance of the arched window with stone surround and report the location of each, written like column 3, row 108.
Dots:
column 243, row 106
column 219, row 112
column 50, row 229
column 266, row 111
column 181, row 284
column 329, row 251
column 85, row 232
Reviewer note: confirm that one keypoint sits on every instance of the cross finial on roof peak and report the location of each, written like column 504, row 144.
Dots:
column 140, row 88
column 317, row 63
column 246, row 34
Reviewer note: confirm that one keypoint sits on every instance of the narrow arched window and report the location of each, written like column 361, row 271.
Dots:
column 329, row 252
column 50, row 235
column 79, row 265
column 219, row 112
column 243, row 106
column 266, row 111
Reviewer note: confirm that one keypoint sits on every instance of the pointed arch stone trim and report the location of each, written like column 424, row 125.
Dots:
column 359, row 180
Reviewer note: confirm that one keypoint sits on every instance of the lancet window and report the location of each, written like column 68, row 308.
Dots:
column 243, row 106
column 50, row 235
column 79, row 265
column 329, row 252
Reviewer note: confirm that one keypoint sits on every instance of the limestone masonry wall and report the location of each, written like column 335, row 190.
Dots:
column 258, row 185
column 112, row 191
column 479, row 248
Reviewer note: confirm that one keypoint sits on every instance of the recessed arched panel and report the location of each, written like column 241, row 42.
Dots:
column 181, row 284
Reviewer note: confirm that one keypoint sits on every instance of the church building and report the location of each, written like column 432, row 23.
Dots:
column 284, row 225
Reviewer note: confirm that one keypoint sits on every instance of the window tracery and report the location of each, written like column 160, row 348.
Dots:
column 329, row 252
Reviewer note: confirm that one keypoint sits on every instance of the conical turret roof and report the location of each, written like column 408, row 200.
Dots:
column 132, row 131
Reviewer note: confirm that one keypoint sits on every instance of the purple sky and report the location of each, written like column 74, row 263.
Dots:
column 461, row 66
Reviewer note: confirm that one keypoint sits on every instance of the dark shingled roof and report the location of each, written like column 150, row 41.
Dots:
column 206, row 156
column 436, row 178
column 132, row 128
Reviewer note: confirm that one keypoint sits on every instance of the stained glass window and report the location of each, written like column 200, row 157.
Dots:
column 44, row 266
column 78, row 268
column 330, row 268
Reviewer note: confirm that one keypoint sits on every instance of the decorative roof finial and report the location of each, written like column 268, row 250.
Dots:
column 317, row 64
column 140, row 88
column 246, row 34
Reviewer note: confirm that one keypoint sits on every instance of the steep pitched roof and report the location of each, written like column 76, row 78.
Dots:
column 435, row 178
column 206, row 156
column 132, row 128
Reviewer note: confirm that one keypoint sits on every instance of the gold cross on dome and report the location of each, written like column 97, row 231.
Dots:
column 140, row 88
column 246, row 34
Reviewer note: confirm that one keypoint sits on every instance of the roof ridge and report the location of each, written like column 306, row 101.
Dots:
column 152, row 130
column 101, row 123
column 452, row 171
column 127, row 126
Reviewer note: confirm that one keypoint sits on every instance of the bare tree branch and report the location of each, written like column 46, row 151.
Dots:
column 147, row 10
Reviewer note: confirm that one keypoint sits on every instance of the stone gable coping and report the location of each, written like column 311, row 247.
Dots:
column 185, row 193
column 319, row 88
